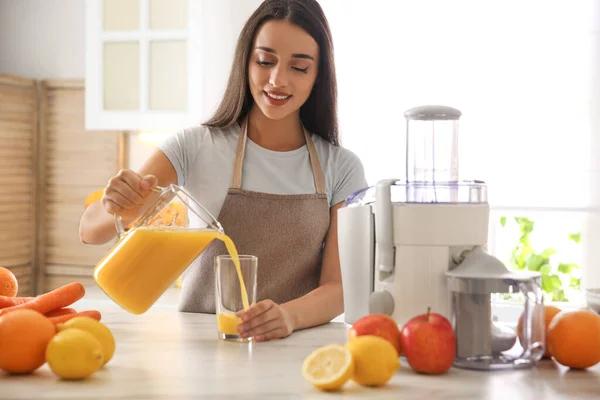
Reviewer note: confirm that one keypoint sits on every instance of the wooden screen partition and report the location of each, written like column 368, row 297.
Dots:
column 18, row 128
column 73, row 164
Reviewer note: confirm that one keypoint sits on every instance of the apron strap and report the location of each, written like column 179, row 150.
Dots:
column 239, row 156
column 241, row 151
column 316, row 165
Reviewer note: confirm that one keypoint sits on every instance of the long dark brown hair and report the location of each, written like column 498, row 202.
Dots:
column 319, row 112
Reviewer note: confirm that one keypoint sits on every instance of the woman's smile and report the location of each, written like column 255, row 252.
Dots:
column 277, row 99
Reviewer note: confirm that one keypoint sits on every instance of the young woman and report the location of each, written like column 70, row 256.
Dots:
column 269, row 164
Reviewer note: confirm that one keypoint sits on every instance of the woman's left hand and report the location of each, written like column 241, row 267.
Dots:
column 264, row 321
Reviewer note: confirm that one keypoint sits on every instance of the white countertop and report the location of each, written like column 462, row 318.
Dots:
column 164, row 354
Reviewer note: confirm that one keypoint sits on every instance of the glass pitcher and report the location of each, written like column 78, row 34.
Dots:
column 155, row 249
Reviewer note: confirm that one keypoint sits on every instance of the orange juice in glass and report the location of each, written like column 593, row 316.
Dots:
column 230, row 288
column 156, row 249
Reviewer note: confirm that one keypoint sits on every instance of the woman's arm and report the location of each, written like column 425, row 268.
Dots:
column 97, row 225
column 327, row 301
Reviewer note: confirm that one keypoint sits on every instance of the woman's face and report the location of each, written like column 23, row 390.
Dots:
column 282, row 68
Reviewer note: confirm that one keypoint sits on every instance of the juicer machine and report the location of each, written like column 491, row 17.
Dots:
column 406, row 245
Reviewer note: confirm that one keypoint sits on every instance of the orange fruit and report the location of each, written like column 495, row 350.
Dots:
column 24, row 335
column 8, row 283
column 574, row 338
column 549, row 313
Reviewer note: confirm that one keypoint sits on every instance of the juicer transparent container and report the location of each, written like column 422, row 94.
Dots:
column 431, row 163
column 432, row 144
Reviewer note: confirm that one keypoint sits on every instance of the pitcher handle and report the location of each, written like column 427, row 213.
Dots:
column 119, row 220
column 119, row 225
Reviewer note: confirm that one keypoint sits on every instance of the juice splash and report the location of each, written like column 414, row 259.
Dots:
column 146, row 261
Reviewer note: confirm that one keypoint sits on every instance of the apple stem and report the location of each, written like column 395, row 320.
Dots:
column 428, row 311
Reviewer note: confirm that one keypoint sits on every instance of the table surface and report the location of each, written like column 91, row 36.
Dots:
column 167, row 354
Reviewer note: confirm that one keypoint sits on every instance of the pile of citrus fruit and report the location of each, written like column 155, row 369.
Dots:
column 80, row 348
column 370, row 357
column 367, row 360
column 42, row 329
column 73, row 350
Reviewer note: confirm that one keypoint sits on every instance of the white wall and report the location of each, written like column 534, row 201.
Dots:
column 42, row 39
column 591, row 233
column 223, row 20
column 45, row 39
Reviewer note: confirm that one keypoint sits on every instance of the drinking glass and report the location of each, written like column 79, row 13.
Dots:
column 228, row 292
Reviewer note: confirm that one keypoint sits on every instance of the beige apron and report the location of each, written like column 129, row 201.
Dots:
column 285, row 232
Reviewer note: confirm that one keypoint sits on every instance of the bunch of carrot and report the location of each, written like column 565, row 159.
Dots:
column 54, row 304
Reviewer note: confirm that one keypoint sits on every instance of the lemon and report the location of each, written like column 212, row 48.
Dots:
column 96, row 328
column 375, row 360
column 74, row 354
column 328, row 367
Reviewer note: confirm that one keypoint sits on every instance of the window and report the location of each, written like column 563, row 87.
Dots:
column 142, row 64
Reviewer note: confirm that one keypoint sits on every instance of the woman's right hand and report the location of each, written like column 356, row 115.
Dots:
column 127, row 192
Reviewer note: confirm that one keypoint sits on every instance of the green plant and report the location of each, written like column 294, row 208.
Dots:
column 556, row 276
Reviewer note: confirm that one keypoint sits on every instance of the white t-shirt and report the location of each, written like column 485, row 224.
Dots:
column 203, row 158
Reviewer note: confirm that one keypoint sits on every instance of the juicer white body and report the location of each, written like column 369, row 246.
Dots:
column 394, row 256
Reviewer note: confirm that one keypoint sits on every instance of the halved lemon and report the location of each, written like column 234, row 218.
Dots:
column 328, row 367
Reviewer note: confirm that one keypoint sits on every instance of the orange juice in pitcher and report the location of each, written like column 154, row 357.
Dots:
column 157, row 248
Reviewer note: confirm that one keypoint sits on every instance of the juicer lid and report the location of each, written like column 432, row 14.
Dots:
column 477, row 264
column 429, row 113
column 402, row 192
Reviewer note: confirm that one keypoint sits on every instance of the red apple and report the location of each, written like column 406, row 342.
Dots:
column 429, row 343
column 377, row 325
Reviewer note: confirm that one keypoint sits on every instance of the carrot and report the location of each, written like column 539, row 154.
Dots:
column 64, row 318
column 61, row 311
column 58, row 298
column 6, row 301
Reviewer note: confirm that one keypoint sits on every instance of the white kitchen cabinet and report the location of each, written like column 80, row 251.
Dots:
column 143, row 64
